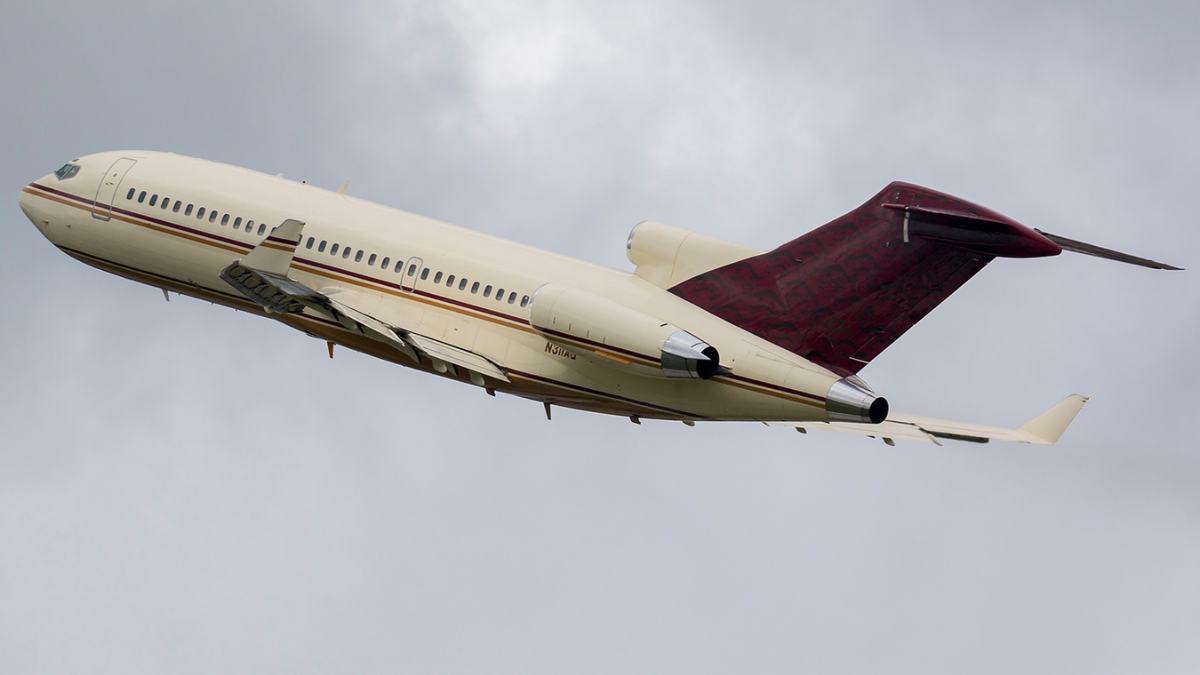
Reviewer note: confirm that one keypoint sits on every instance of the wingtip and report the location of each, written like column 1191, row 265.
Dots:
column 1048, row 427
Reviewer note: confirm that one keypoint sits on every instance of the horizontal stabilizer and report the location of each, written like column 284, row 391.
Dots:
column 1106, row 253
column 1045, row 429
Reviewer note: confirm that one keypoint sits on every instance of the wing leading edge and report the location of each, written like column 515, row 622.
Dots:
column 1045, row 429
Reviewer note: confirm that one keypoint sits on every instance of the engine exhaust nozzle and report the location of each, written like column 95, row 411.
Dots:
column 850, row 401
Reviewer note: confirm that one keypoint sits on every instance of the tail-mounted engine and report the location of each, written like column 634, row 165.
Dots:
column 585, row 322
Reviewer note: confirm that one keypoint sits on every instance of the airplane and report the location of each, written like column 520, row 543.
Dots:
column 701, row 330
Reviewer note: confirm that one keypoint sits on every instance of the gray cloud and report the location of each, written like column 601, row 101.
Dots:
column 156, row 516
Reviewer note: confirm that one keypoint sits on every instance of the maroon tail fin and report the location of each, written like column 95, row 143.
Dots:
column 842, row 293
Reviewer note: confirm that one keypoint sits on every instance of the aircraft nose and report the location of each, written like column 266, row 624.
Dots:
column 34, row 207
column 26, row 200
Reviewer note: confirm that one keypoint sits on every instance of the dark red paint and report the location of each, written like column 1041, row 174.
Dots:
column 842, row 293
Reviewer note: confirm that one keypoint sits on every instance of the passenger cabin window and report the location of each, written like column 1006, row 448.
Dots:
column 262, row 227
column 129, row 195
column 462, row 283
column 450, row 281
column 225, row 220
column 200, row 213
column 424, row 274
column 500, row 295
column 188, row 210
column 437, row 278
column 308, row 244
column 512, row 297
column 237, row 223
column 384, row 263
column 175, row 209
column 142, row 196
column 399, row 266
column 346, row 252
column 412, row 269
column 358, row 256
column 474, row 288
column 524, row 300
column 153, row 200
column 333, row 249
column 371, row 260
column 487, row 291
column 321, row 247
column 165, row 203
column 212, row 216
column 249, row 225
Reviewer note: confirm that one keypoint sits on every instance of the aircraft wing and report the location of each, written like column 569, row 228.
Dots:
column 436, row 349
column 1045, row 429
column 262, row 276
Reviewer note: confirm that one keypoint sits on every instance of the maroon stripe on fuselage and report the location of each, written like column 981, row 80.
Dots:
column 314, row 263
column 400, row 287
column 153, row 219
column 334, row 324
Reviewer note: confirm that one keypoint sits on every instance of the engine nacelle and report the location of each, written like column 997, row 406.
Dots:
column 851, row 400
column 665, row 255
column 584, row 321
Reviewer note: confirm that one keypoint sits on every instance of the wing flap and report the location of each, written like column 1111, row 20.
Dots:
column 889, row 431
column 365, row 324
column 271, row 288
column 457, row 356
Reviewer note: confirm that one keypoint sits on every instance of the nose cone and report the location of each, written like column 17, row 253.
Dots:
column 33, row 206
column 26, row 201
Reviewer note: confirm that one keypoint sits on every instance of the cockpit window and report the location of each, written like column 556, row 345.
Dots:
column 68, row 170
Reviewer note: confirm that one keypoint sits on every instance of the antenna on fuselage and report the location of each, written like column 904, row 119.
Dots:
column 345, row 186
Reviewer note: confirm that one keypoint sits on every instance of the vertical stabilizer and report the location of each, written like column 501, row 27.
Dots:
column 839, row 295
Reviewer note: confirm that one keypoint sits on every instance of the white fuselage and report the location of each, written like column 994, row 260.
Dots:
column 148, row 216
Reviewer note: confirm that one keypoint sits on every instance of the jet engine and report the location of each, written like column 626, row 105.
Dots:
column 851, row 400
column 666, row 255
column 585, row 322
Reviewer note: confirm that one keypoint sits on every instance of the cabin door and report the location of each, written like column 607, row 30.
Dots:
column 110, row 182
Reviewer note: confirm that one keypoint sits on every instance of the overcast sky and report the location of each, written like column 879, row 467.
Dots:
column 188, row 489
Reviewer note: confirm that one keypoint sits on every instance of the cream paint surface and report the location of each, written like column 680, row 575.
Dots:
column 190, row 489
column 783, row 387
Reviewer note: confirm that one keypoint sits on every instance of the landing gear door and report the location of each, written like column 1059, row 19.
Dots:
column 110, row 182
